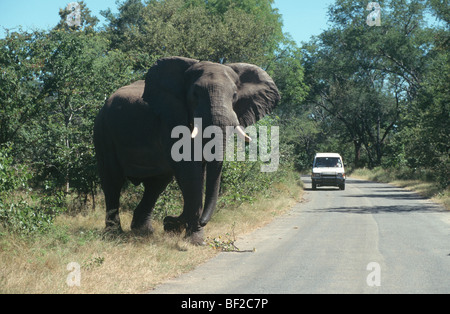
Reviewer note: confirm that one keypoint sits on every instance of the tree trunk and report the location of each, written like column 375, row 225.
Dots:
column 357, row 160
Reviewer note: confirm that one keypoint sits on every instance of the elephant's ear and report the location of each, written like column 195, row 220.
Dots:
column 165, row 87
column 257, row 93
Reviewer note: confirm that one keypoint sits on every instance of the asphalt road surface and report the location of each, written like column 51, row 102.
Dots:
column 370, row 238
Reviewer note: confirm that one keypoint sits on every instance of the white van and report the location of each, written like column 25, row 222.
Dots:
column 328, row 170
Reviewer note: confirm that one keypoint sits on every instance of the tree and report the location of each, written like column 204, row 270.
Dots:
column 368, row 77
column 251, row 30
column 78, row 75
column 87, row 21
column 287, row 71
column 20, row 95
column 130, row 16
column 52, row 85
column 424, row 140
column 219, row 31
column 344, row 86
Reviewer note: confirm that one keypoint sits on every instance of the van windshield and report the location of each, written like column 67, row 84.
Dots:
column 328, row 162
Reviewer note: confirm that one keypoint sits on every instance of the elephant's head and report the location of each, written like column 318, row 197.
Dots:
column 182, row 90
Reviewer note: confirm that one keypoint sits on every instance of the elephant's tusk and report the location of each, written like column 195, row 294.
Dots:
column 242, row 134
column 194, row 131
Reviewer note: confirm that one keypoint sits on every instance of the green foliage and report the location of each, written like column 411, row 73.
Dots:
column 21, row 211
column 20, row 97
column 220, row 31
column 24, row 218
column 244, row 181
column 288, row 73
column 76, row 74
column 236, row 178
column 53, row 84
column 169, row 203
column 88, row 21
column 76, row 88
column 379, row 88
column 12, row 176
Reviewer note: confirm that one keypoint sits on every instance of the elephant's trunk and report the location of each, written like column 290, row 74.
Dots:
column 213, row 176
column 218, row 111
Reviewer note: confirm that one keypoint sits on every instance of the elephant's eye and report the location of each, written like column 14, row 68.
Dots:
column 235, row 96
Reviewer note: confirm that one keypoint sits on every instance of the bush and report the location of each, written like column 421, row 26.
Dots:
column 21, row 211
column 12, row 176
column 244, row 181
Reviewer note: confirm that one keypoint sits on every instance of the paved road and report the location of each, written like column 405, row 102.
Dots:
column 370, row 238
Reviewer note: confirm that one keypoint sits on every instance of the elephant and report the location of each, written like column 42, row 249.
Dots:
column 133, row 140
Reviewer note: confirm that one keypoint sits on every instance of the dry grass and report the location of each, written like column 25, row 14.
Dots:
column 123, row 264
column 426, row 189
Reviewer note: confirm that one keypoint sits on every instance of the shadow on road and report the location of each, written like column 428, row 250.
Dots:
column 391, row 195
column 386, row 199
column 321, row 189
column 396, row 209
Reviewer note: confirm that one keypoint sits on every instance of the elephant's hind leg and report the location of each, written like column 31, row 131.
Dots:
column 112, row 197
column 141, row 222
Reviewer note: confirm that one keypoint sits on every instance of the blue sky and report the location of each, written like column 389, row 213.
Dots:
column 302, row 18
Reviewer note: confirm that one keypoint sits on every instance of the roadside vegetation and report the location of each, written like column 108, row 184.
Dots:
column 378, row 95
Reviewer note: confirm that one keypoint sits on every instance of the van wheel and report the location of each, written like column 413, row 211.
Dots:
column 314, row 186
column 342, row 186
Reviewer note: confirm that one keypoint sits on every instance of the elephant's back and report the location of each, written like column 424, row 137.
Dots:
column 126, row 112
column 130, row 94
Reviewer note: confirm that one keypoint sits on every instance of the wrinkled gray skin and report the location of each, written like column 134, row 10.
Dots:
column 132, row 135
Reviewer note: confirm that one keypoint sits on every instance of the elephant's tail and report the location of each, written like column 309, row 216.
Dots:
column 99, row 143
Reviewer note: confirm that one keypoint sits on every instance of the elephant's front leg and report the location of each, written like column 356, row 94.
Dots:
column 192, row 210
column 190, row 179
